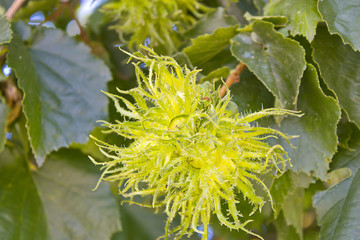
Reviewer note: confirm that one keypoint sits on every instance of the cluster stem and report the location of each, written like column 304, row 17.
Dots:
column 234, row 77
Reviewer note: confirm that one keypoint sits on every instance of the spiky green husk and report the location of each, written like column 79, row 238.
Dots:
column 190, row 152
column 153, row 19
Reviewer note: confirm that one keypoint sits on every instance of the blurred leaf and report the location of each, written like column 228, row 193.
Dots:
column 5, row 31
column 6, row 3
column 141, row 223
column 97, row 19
column 222, row 59
column 245, row 6
column 340, row 68
column 250, row 94
column 343, row 17
column 277, row 61
column 292, row 209
column 311, row 235
column 260, row 4
column 286, row 186
column 183, row 60
column 22, row 214
column 284, row 231
column 23, row 29
column 90, row 148
column 222, row 232
column 303, row 16
column 74, row 211
column 211, row 22
column 206, row 46
column 4, row 109
column 317, row 141
column 281, row 187
column 62, row 82
column 257, row 225
column 33, row 6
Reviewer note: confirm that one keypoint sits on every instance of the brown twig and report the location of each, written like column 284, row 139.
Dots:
column 83, row 34
column 13, row 98
column 12, row 94
column 234, row 77
column 56, row 13
column 13, row 8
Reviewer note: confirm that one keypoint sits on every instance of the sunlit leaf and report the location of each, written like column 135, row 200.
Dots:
column 207, row 46
column 303, row 16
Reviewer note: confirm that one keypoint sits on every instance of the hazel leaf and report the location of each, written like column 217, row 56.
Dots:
column 317, row 141
column 337, row 208
column 343, row 17
column 285, row 186
column 340, row 69
column 280, row 188
column 22, row 214
column 140, row 223
column 212, row 21
column 285, row 231
column 53, row 74
column 349, row 157
column 250, row 94
column 74, row 211
column 292, row 209
column 303, row 16
column 215, row 43
column 277, row 61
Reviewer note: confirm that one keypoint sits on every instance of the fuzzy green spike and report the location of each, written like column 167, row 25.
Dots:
column 192, row 153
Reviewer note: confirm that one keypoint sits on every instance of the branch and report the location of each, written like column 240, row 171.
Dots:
column 13, row 8
column 83, row 34
column 234, row 77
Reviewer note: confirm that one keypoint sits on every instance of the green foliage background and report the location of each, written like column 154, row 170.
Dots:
column 300, row 55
